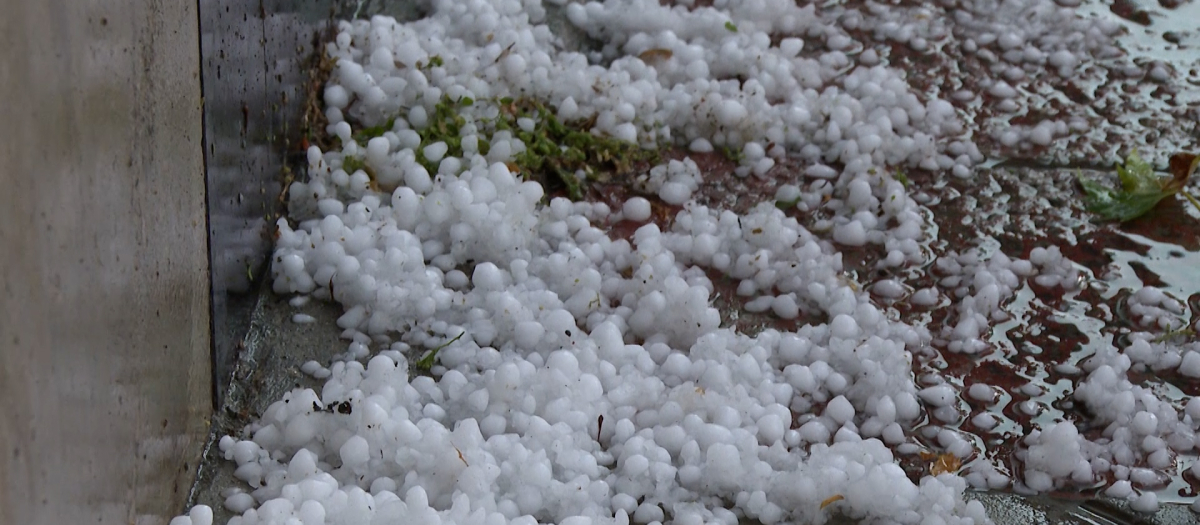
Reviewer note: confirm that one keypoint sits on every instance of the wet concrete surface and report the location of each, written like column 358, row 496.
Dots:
column 270, row 355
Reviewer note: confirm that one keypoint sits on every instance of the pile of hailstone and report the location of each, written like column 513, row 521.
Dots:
column 588, row 379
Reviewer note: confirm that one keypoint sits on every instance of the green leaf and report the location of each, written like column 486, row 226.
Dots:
column 1137, row 176
column 732, row 28
column 1141, row 189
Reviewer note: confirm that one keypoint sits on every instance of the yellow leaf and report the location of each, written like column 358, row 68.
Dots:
column 831, row 500
column 945, row 464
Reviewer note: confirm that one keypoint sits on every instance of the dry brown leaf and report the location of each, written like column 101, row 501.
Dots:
column 1181, row 166
column 831, row 500
column 655, row 55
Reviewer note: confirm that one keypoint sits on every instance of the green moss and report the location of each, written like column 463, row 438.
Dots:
column 736, row 155
column 364, row 135
column 352, row 164
column 555, row 151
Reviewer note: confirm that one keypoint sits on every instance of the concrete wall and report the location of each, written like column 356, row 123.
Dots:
column 104, row 327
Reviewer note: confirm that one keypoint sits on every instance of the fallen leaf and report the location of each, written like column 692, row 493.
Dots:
column 1181, row 166
column 831, row 500
column 945, row 464
column 655, row 55
column 1141, row 189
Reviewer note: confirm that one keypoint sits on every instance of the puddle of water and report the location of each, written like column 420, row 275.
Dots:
column 1049, row 328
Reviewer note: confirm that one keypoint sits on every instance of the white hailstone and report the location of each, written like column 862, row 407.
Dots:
column 753, row 151
column 408, row 139
column 336, row 96
column 701, row 145
column 377, row 150
column 840, row 410
column 239, row 503
column 418, row 117
column 201, row 515
column 1120, row 489
column 850, row 234
column 1190, row 364
column 982, row 392
column 417, row 178
column 1001, row 89
column 487, row 276
column 1042, row 134
column 514, row 65
column 791, row 46
column 785, row 306
column 1158, row 73
column 762, row 166
column 730, row 112
column 938, row 395
column 354, row 451
column 907, row 407
column 820, row 171
column 787, row 193
column 770, row 429
column 1038, row 481
column 1146, row 502
column 626, row 132
column 888, row 289
column 893, row 434
column 984, row 421
column 675, row 193
column 434, row 152
column 925, row 297
column 311, row 367
column 814, row 432
column 636, row 209
column 1145, row 422
column 885, row 410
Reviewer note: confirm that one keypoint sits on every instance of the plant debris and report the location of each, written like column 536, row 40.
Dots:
column 831, row 500
column 944, row 463
column 556, row 152
column 427, row 362
column 1141, row 188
